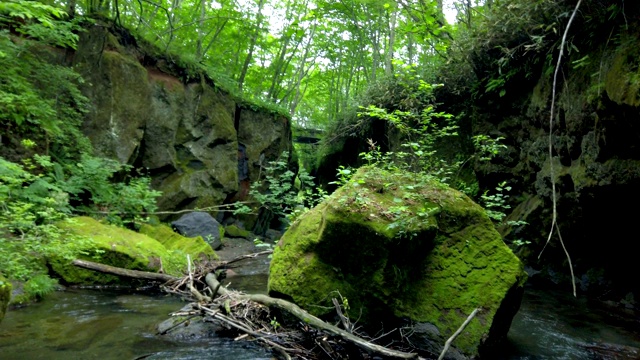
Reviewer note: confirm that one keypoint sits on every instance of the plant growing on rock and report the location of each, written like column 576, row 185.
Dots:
column 285, row 195
column 422, row 133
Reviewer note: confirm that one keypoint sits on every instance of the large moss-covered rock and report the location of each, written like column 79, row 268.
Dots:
column 397, row 249
column 5, row 296
column 112, row 245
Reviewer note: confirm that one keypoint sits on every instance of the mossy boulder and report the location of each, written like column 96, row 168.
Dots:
column 115, row 246
column 5, row 296
column 196, row 246
column 397, row 248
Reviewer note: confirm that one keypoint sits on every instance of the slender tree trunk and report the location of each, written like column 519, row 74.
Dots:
column 215, row 36
column 388, row 61
column 302, row 72
column 199, row 53
column 375, row 56
column 254, row 39
column 278, row 68
column 71, row 8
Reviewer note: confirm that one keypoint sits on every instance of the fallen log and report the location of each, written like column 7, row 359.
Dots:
column 301, row 314
column 136, row 274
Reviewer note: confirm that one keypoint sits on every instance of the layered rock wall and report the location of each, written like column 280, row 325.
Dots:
column 173, row 122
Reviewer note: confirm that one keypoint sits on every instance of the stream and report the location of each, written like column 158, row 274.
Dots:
column 109, row 324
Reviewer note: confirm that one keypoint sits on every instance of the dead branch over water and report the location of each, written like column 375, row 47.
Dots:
column 253, row 316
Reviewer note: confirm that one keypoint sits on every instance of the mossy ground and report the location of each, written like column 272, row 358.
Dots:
column 392, row 244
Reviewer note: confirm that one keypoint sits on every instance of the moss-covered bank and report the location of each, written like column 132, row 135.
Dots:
column 123, row 248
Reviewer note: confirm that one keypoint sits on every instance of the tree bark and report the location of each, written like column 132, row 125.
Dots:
column 254, row 39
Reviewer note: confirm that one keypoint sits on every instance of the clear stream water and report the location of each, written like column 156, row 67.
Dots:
column 106, row 324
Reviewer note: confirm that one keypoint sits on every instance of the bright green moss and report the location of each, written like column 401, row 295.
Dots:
column 196, row 247
column 114, row 246
column 234, row 231
column 393, row 245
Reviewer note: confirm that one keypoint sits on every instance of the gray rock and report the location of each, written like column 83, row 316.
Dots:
column 200, row 224
column 273, row 235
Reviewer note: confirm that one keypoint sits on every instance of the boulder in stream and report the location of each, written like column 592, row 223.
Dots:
column 200, row 224
column 403, row 252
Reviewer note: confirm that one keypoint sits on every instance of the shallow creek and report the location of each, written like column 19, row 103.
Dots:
column 107, row 324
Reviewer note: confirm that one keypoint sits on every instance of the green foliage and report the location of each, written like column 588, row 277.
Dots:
column 39, row 286
column 282, row 192
column 344, row 175
column 37, row 97
column 31, row 206
column 422, row 133
column 90, row 184
column 30, row 10
column 496, row 206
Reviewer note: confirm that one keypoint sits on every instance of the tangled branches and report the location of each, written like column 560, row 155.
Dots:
column 281, row 325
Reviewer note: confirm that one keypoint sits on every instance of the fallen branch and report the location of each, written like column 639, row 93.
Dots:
column 345, row 321
column 458, row 332
column 307, row 318
column 248, row 256
column 136, row 274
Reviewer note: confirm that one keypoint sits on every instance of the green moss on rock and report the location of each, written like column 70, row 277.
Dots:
column 113, row 246
column 622, row 80
column 5, row 296
column 234, row 231
column 393, row 245
column 196, row 247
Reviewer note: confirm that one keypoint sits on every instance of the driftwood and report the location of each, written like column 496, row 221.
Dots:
column 307, row 318
column 136, row 274
column 458, row 332
column 246, row 312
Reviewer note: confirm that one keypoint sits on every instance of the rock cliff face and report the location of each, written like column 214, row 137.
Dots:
column 173, row 121
column 596, row 164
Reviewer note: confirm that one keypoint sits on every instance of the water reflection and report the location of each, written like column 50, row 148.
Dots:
column 94, row 324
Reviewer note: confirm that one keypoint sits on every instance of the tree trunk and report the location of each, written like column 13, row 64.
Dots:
column 199, row 53
column 388, row 61
column 254, row 40
column 136, row 274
